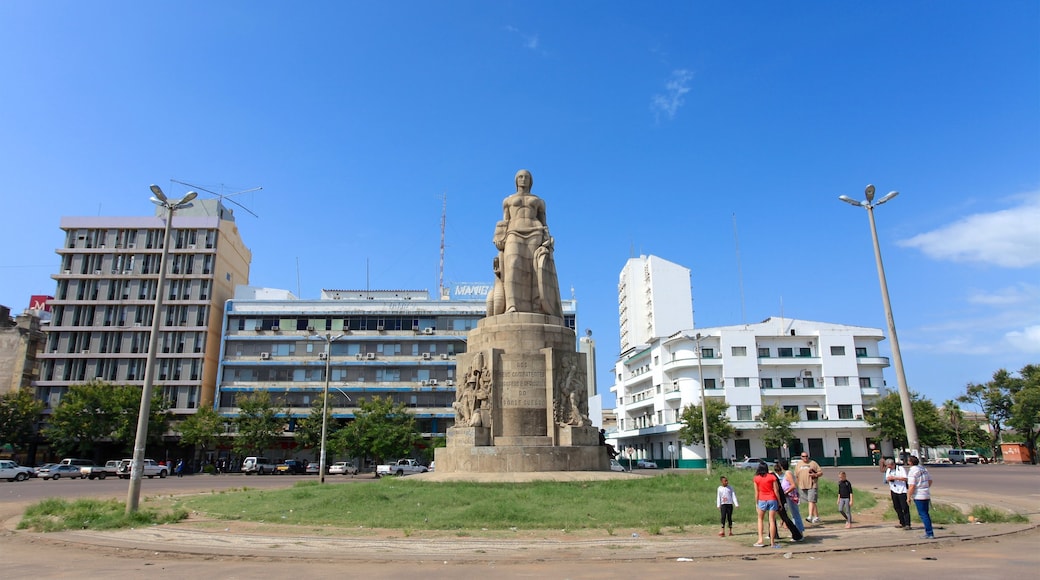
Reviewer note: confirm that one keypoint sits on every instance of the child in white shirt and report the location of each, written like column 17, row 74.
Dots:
column 726, row 500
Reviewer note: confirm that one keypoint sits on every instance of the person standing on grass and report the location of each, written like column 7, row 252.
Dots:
column 726, row 500
column 807, row 474
column 845, row 499
column 895, row 477
column 790, row 488
column 919, row 491
column 767, row 495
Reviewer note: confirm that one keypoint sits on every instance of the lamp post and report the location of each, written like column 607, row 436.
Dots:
column 133, row 495
column 704, row 405
column 329, row 339
column 904, row 393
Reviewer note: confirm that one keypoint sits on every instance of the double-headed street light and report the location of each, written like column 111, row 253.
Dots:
column 904, row 393
column 329, row 339
column 133, row 495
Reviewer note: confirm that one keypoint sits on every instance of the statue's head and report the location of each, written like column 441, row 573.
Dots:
column 524, row 181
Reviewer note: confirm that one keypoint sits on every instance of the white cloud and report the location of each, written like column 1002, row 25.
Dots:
column 530, row 41
column 1021, row 293
column 1008, row 238
column 1026, row 340
column 677, row 86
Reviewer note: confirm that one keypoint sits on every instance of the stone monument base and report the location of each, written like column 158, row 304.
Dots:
column 522, row 459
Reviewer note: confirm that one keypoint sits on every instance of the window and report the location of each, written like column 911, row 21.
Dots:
column 841, row 381
column 741, row 381
column 785, row 352
column 709, row 384
column 766, row 383
column 787, row 383
column 738, row 350
column 861, row 351
column 809, row 383
column 791, row 410
column 743, row 412
column 864, row 382
column 763, row 352
column 837, row 351
column 707, row 353
column 804, row 352
column 844, row 411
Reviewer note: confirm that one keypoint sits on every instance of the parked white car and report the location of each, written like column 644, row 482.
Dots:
column 343, row 468
column 11, row 471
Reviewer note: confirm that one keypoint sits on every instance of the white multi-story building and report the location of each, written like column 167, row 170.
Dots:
column 653, row 300
column 828, row 375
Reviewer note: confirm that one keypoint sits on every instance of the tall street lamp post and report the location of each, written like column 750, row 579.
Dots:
column 329, row 339
column 904, row 393
column 133, row 495
column 704, row 405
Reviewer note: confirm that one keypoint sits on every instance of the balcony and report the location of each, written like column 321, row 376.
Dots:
column 872, row 361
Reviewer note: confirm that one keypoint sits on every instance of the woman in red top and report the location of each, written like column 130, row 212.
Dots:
column 767, row 494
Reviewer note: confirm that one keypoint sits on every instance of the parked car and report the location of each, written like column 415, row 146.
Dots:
column 313, row 468
column 645, row 464
column 258, row 465
column 59, row 471
column 615, row 465
column 343, row 468
column 964, row 456
column 11, row 471
column 752, row 463
column 291, row 467
column 36, row 470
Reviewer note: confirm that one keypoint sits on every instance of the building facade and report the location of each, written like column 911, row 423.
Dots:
column 388, row 343
column 829, row 376
column 654, row 299
column 105, row 296
column 21, row 341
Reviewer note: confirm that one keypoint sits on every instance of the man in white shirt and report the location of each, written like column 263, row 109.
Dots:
column 895, row 477
column 919, row 491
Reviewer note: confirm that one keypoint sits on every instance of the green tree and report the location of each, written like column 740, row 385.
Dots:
column 308, row 429
column 202, row 430
column 258, row 424
column 954, row 418
column 776, row 426
column 381, row 429
column 993, row 399
column 888, row 421
column 97, row 411
column 19, row 411
column 1025, row 407
column 719, row 427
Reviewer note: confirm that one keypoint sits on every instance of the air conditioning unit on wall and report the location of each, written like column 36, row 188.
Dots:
column 265, row 356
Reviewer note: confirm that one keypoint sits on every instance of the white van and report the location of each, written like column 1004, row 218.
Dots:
column 962, row 456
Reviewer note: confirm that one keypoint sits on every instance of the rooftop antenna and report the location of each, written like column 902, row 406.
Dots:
column 440, row 272
column 222, row 196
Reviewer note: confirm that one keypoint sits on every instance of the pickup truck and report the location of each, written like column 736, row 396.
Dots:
column 401, row 467
column 101, row 472
column 257, row 465
column 149, row 468
column 11, row 471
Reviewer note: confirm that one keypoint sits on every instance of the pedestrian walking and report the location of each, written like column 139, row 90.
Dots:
column 845, row 498
column 790, row 489
column 179, row 470
column 767, row 494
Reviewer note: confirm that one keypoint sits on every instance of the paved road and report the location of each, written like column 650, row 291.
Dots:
column 965, row 551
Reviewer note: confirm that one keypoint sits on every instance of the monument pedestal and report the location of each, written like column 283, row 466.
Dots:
column 534, row 392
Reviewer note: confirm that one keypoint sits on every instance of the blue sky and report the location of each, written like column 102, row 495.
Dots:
column 669, row 128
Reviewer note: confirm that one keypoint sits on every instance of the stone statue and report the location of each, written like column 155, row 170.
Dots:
column 525, row 247
column 571, row 406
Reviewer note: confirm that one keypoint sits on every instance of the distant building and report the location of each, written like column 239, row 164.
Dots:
column 654, row 300
column 827, row 375
column 21, row 341
column 105, row 295
column 389, row 343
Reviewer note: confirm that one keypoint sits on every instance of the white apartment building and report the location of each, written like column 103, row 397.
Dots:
column 828, row 375
column 654, row 299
